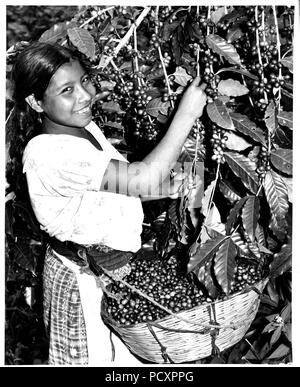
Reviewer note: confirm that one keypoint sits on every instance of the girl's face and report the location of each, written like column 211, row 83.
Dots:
column 67, row 100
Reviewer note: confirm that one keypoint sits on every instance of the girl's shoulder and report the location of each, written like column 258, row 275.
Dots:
column 45, row 147
column 51, row 142
column 36, row 143
column 39, row 144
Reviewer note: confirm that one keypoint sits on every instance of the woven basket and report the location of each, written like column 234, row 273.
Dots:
column 175, row 340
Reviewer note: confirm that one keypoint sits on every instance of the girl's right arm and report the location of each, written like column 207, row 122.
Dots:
column 140, row 178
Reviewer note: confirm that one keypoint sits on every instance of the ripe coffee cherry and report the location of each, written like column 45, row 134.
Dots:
column 218, row 141
column 245, row 275
column 159, row 280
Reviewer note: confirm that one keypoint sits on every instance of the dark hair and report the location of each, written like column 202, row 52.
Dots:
column 34, row 68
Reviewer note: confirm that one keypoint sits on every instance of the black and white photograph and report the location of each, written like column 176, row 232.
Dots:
column 149, row 186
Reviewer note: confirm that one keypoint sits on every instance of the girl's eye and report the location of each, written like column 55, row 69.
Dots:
column 67, row 90
column 86, row 79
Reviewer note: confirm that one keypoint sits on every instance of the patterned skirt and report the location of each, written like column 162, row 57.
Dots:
column 72, row 316
column 63, row 314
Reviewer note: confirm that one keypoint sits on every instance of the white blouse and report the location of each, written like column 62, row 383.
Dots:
column 64, row 175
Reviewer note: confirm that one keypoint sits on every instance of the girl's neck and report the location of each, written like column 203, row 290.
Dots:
column 54, row 128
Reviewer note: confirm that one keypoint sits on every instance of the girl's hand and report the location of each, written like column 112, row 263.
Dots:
column 193, row 100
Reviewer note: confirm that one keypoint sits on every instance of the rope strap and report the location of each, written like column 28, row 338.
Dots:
column 113, row 351
column 214, row 332
column 163, row 349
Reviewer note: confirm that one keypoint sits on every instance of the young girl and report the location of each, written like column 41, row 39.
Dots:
column 85, row 194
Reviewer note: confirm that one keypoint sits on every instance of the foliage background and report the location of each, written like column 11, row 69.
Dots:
column 26, row 342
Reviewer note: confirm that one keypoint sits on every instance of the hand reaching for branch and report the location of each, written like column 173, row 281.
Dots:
column 193, row 100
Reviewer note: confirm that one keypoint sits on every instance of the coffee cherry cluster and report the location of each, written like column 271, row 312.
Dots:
column 154, row 41
column 244, row 47
column 209, row 58
column 167, row 59
column 96, row 79
column 257, row 68
column 262, row 86
column 254, row 25
column 274, row 81
column 159, row 280
column 109, row 50
column 209, row 76
column 223, row 25
column 268, row 51
column 144, row 129
column 169, row 96
column 198, row 129
column 245, row 275
column 90, row 12
column 148, row 56
column 261, row 104
column 263, row 163
column 202, row 20
column 141, row 100
column 198, row 133
column 157, row 20
column 194, row 48
column 129, row 52
column 164, row 13
column 218, row 141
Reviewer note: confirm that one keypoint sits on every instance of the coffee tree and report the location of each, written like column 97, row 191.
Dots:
column 241, row 230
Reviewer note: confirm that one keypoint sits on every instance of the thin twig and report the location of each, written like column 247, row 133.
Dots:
column 264, row 32
column 279, row 54
column 249, row 96
column 197, row 141
column 208, row 18
column 287, row 52
column 197, row 61
column 134, row 25
column 165, row 74
column 136, row 61
column 259, row 54
column 235, row 230
column 291, row 24
column 213, row 190
column 161, row 57
column 259, row 189
column 8, row 118
column 179, row 10
column 117, row 69
column 156, row 20
column 105, row 60
column 252, row 349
